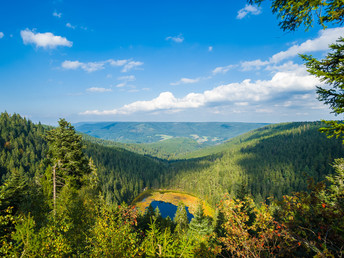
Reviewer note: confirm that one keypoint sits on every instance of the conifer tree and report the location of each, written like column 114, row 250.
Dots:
column 200, row 223
column 181, row 218
column 69, row 163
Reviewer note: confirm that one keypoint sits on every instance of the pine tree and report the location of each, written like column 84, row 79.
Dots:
column 181, row 218
column 200, row 223
column 69, row 163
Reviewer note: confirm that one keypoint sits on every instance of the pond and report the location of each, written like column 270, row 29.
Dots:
column 168, row 209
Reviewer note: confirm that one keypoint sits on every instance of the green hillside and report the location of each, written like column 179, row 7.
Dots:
column 122, row 174
column 83, row 221
column 271, row 161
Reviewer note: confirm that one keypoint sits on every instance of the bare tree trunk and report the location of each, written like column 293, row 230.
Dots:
column 54, row 189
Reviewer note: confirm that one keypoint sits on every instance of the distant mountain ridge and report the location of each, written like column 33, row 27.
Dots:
column 204, row 133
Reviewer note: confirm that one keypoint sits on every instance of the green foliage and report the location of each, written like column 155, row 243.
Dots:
column 294, row 13
column 271, row 161
column 21, row 146
column 330, row 71
column 113, row 234
column 200, row 224
column 250, row 231
column 123, row 174
column 181, row 218
column 315, row 219
column 66, row 155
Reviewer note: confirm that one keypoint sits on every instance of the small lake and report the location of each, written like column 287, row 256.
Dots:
column 168, row 209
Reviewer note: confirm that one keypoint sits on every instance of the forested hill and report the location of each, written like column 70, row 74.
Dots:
column 270, row 161
column 122, row 174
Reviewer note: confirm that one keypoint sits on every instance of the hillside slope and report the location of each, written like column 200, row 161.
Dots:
column 271, row 161
column 122, row 174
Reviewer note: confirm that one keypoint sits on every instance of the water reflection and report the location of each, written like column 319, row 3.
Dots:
column 168, row 209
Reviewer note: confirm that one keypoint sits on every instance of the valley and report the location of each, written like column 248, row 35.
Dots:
column 109, row 194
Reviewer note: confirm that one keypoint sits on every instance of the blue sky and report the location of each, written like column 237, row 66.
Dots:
column 170, row 60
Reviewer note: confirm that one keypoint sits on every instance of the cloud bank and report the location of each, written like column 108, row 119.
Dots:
column 242, row 92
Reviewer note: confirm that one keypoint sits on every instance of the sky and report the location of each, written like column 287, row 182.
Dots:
column 156, row 60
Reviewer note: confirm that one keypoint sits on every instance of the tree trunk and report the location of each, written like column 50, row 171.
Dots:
column 54, row 189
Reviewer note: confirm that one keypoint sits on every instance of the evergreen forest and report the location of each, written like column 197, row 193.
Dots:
column 277, row 191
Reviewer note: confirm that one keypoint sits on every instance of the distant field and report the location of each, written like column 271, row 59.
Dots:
column 206, row 133
column 164, row 140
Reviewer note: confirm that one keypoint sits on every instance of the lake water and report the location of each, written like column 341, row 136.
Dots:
column 168, row 209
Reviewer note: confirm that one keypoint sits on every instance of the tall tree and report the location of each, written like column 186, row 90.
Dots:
column 293, row 14
column 181, row 218
column 200, row 223
column 330, row 70
column 69, row 163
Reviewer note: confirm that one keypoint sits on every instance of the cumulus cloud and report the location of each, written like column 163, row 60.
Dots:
column 96, row 89
column 222, row 69
column 1, row 35
column 45, row 40
column 241, row 93
column 177, row 39
column 248, row 9
column 186, row 81
column 95, row 66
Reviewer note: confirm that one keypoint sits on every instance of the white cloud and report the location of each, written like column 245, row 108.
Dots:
column 88, row 67
column 177, row 39
column 256, row 64
column 96, row 89
column 131, row 65
column 321, row 43
column 235, row 93
column 120, row 85
column 71, row 64
column 95, row 66
column 68, row 25
column 248, row 9
column 222, row 69
column 186, row 81
column 45, row 40
column 56, row 14
column 210, row 48
column 117, row 62
column 1, row 35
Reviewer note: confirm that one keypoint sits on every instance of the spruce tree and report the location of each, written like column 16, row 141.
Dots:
column 181, row 218
column 69, row 163
column 200, row 223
